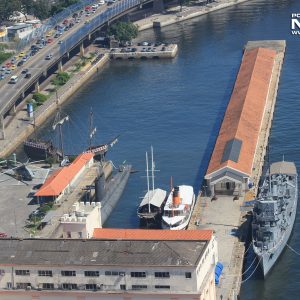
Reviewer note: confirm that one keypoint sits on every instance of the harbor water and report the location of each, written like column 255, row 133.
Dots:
column 177, row 107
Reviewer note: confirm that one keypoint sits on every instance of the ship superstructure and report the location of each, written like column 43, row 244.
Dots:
column 274, row 213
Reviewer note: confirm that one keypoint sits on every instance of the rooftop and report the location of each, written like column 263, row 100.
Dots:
column 46, row 252
column 59, row 180
column 236, row 144
column 148, row 234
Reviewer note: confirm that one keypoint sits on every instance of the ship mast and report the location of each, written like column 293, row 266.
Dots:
column 152, row 169
column 59, row 122
column 92, row 130
column 147, row 171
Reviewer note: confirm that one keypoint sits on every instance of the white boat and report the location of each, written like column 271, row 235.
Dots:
column 178, row 208
column 150, row 208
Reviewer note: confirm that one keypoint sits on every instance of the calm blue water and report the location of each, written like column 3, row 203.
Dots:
column 177, row 105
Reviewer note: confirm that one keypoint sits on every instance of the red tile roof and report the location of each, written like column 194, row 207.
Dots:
column 244, row 114
column 148, row 234
column 61, row 178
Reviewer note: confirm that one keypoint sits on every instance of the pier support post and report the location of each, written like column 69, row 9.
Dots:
column 81, row 50
column 60, row 66
column 68, row 54
column 89, row 36
column 37, row 87
column 158, row 6
column 12, row 111
column 2, row 129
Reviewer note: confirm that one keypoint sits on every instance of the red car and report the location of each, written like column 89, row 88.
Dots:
column 49, row 41
column 8, row 65
column 65, row 22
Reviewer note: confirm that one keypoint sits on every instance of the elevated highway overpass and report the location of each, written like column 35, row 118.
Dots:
column 12, row 94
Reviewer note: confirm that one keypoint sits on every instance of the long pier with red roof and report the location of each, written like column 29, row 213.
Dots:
column 237, row 159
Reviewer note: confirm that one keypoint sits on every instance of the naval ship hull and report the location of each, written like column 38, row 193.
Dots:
column 268, row 260
column 115, row 188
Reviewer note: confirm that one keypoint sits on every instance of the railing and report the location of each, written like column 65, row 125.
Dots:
column 111, row 12
column 51, row 22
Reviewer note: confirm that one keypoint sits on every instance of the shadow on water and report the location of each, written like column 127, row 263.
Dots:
column 215, row 130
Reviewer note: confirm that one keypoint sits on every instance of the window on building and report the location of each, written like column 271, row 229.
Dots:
column 80, row 235
column 91, row 286
column 9, row 285
column 139, row 287
column 188, row 275
column 69, row 286
column 45, row 273
column 162, row 275
column 48, row 286
column 166, row 287
column 91, row 273
column 22, row 272
column 138, row 274
column 114, row 273
column 68, row 234
column 68, row 273
column 123, row 287
column 23, row 285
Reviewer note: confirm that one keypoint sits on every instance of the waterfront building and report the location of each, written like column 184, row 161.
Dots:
column 231, row 164
column 82, row 221
column 19, row 31
column 122, row 264
column 62, row 180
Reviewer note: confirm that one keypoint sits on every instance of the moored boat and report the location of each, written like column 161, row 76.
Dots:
column 178, row 208
column 274, row 213
column 150, row 209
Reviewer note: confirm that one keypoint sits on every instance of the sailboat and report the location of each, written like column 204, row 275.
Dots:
column 99, row 150
column 37, row 149
column 150, row 209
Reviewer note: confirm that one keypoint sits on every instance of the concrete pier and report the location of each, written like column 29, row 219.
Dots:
column 223, row 214
column 144, row 52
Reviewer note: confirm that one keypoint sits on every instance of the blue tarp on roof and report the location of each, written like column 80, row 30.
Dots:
column 218, row 271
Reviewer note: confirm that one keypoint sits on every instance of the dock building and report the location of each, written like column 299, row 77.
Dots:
column 81, row 222
column 120, row 264
column 61, row 181
column 232, row 161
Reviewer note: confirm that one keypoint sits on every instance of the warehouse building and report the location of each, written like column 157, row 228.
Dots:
column 122, row 264
column 230, row 167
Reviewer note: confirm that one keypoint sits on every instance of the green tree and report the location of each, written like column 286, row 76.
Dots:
column 123, row 31
column 61, row 78
column 39, row 98
column 7, row 7
column 41, row 9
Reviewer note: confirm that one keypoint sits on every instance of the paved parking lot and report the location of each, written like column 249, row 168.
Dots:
column 15, row 205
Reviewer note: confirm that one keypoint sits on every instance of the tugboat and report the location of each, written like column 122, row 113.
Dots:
column 179, row 207
column 150, row 209
column 274, row 213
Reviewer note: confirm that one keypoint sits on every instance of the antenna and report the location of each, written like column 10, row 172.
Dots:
column 269, row 165
column 147, row 171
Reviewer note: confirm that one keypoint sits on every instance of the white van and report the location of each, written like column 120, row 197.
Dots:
column 13, row 79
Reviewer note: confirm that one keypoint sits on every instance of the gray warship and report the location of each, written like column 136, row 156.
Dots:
column 274, row 213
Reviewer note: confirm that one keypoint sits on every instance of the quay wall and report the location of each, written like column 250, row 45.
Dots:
column 162, row 20
column 50, row 106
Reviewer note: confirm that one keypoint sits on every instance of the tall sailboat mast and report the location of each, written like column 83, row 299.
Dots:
column 59, row 122
column 152, row 169
column 92, row 130
column 148, row 184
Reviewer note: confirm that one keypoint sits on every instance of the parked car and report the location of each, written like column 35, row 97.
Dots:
column 24, row 58
column 49, row 56
column 2, row 76
column 145, row 44
column 2, row 68
column 7, row 71
column 20, row 63
column 24, row 71
column 49, row 41
column 28, row 75
column 13, row 67
column 21, row 54
column 60, row 42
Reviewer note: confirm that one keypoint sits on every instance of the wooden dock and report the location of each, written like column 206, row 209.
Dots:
column 224, row 216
